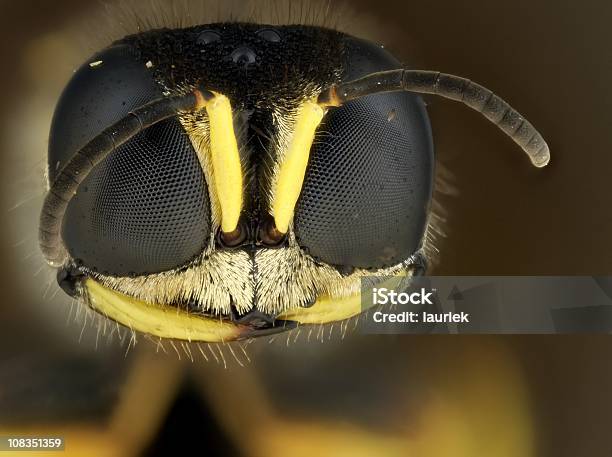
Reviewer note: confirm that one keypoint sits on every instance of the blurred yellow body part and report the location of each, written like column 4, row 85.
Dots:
column 293, row 167
column 225, row 161
column 458, row 396
column 157, row 320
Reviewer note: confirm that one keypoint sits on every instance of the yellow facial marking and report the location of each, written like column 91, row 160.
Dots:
column 158, row 320
column 293, row 168
column 225, row 161
column 327, row 309
column 171, row 322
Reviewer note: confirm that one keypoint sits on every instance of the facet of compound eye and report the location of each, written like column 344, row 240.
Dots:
column 96, row 97
column 368, row 186
column 145, row 208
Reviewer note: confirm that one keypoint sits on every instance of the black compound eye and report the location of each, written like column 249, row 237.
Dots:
column 368, row 184
column 145, row 209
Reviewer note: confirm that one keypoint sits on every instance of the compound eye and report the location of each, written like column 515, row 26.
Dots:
column 368, row 183
column 145, row 209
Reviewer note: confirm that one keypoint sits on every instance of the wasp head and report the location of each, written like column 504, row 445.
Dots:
column 218, row 182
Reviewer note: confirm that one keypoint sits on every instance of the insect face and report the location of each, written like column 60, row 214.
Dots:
column 229, row 180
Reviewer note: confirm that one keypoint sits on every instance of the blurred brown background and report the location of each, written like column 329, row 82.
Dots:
column 408, row 395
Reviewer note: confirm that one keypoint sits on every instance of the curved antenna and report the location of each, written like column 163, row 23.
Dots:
column 100, row 147
column 455, row 88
